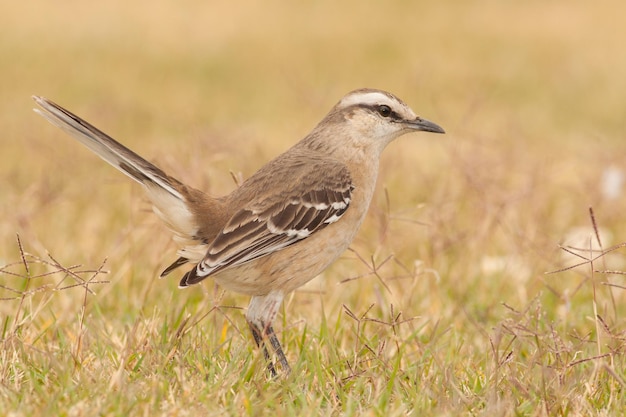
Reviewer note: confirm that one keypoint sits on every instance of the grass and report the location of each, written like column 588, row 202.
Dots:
column 441, row 307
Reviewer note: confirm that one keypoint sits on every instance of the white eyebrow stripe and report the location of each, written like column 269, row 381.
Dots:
column 369, row 98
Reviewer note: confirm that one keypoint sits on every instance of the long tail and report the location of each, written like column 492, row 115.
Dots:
column 166, row 193
column 106, row 147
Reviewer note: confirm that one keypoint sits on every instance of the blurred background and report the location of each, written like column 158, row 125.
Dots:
column 532, row 96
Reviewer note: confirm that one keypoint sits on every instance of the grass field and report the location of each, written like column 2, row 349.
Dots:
column 441, row 307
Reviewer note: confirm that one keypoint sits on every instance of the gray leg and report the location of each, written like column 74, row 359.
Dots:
column 258, row 338
column 260, row 315
column 278, row 349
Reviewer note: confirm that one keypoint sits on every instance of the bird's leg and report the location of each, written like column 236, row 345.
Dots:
column 278, row 349
column 258, row 338
column 260, row 315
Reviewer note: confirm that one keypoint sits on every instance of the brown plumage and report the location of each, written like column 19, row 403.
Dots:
column 287, row 222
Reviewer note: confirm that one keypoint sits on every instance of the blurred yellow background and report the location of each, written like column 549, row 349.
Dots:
column 526, row 86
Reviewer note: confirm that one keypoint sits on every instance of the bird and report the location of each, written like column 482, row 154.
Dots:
column 283, row 225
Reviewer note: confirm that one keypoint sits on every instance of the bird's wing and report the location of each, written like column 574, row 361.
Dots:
column 289, row 213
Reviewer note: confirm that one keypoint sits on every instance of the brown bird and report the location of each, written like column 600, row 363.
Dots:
column 286, row 223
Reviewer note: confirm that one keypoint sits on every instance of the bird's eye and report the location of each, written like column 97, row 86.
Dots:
column 384, row 110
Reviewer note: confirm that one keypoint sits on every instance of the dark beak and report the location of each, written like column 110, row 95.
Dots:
column 425, row 125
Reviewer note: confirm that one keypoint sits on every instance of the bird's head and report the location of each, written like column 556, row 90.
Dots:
column 382, row 114
column 370, row 119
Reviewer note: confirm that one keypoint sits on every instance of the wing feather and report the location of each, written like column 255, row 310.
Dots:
column 280, row 220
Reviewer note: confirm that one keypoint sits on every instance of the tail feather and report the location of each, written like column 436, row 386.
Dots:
column 177, row 263
column 166, row 193
column 106, row 147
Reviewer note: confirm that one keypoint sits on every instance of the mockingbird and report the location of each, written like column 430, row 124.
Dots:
column 286, row 223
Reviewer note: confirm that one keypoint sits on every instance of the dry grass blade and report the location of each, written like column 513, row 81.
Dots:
column 31, row 282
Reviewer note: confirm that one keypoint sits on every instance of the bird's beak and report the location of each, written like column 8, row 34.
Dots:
column 424, row 125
